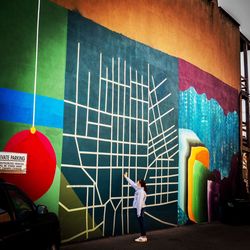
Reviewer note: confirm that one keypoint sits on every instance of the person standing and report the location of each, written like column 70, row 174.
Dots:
column 139, row 204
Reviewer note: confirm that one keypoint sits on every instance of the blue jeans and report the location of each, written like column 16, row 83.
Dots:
column 141, row 222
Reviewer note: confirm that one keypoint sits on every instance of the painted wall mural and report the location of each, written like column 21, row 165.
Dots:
column 30, row 95
column 41, row 162
column 121, row 109
column 106, row 104
column 209, row 139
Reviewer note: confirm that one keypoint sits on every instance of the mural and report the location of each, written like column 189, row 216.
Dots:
column 30, row 96
column 41, row 162
column 120, row 115
column 208, row 139
column 88, row 104
column 193, row 172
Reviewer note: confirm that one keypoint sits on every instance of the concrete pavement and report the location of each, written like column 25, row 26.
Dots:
column 203, row 237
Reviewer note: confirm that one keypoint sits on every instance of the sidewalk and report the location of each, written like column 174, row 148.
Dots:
column 201, row 237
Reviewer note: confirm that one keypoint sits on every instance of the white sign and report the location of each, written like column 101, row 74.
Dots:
column 13, row 163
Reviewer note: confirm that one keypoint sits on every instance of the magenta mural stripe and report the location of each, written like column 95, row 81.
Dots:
column 202, row 82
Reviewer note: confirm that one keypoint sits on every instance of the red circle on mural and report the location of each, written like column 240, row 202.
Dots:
column 41, row 163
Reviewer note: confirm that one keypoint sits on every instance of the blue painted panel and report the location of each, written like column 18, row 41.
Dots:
column 17, row 106
column 218, row 132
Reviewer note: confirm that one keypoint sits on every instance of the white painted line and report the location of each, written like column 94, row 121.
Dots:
column 174, row 131
column 99, row 125
column 114, row 82
column 106, row 96
column 102, row 139
column 161, row 221
column 82, row 233
column 170, row 110
column 155, row 88
column 36, row 63
column 103, row 112
column 156, row 137
column 80, row 186
column 77, row 80
column 139, row 100
column 159, row 102
column 140, row 84
column 164, row 176
column 87, row 115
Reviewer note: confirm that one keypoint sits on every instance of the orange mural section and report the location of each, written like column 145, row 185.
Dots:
column 194, row 30
column 203, row 157
column 201, row 154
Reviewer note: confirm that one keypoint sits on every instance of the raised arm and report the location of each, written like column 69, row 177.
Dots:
column 133, row 184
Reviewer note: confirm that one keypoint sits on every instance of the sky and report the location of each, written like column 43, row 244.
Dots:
column 240, row 11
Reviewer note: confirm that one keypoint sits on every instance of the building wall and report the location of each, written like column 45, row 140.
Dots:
column 18, row 49
column 194, row 30
column 150, row 89
column 121, row 114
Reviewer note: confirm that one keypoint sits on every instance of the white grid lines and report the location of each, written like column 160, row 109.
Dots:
column 127, row 111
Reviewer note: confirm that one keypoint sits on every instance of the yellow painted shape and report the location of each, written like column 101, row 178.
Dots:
column 32, row 130
column 77, row 220
column 201, row 154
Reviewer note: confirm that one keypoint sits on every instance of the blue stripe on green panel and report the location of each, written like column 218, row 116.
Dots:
column 17, row 106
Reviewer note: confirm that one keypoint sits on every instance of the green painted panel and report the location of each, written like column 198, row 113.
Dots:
column 200, row 175
column 18, row 26
column 74, row 221
column 17, row 36
column 51, row 198
column 18, row 42
column 8, row 129
column 52, row 50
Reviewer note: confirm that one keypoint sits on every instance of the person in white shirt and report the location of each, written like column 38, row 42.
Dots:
column 139, row 204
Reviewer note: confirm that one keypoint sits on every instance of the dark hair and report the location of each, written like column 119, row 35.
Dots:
column 144, row 185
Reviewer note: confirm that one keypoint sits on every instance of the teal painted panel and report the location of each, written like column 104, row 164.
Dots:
column 121, row 114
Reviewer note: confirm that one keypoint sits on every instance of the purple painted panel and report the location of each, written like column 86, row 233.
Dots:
column 192, row 76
